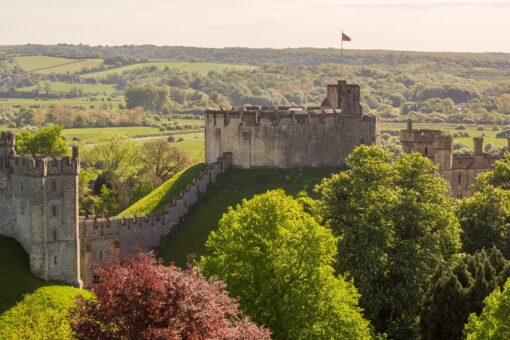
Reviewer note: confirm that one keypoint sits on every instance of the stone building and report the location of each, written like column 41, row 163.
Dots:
column 460, row 170
column 290, row 137
column 39, row 208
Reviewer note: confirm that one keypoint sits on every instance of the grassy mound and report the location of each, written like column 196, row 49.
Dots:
column 156, row 201
column 230, row 189
column 41, row 315
column 16, row 279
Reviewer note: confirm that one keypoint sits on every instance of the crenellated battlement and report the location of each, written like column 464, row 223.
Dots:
column 43, row 166
column 7, row 139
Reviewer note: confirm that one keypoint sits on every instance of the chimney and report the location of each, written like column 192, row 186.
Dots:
column 409, row 124
column 478, row 142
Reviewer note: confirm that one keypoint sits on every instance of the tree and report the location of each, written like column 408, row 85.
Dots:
column 43, row 141
column 161, row 161
column 503, row 103
column 277, row 260
column 394, row 224
column 485, row 220
column 499, row 176
column 150, row 97
column 140, row 298
column 458, row 289
column 493, row 321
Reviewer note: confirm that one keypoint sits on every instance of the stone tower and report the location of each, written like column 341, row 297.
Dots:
column 40, row 197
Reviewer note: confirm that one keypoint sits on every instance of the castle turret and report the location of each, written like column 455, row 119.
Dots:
column 443, row 155
column 409, row 125
column 478, row 144
column 7, row 145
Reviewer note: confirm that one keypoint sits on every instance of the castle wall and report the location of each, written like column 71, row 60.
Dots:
column 102, row 237
column 276, row 140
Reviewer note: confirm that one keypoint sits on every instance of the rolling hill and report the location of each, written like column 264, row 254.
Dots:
column 231, row 189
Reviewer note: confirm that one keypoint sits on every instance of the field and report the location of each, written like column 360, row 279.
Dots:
column 231, row 189
column 57, row 86
column 472, row 130
column 160, row 198
column 80, row 102
column 203, row 68
column 4, row 65
column 47, row 64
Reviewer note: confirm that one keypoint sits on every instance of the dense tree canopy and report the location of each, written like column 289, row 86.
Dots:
column 499, row 176
column 394, row 224
column 277, row 261
column 485, row 220
column 458, row 289
column 43, row 141
column 140, row 298
column 493, row 323
column 150, row 97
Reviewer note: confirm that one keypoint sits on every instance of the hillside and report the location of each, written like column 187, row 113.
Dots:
column 231, row 189
column 16, row 279
column 158, row 199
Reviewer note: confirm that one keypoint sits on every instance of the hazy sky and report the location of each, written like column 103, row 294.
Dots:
column 435, row 25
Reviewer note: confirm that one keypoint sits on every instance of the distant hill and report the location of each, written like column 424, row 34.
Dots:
column 231, row 188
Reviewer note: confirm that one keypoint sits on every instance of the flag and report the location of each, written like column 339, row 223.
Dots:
column 345, row 37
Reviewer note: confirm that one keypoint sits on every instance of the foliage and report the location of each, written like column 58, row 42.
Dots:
column 140, row 298
column 485, row 220
column 41, row 315
column 161, row 197
column 493, row 322
column 499, row 176
column 277, row 261
column 161, row 161
column 150, row 97
column 458, row 289
column 229, row 190
column 504, row 103
column 394, row 224
column 43, row 141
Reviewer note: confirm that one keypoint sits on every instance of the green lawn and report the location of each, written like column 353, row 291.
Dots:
column 203, row 68
column 230, row 189
column 47, row 64
column 487, row 132
column 16, row 279
column 58, row 86
column 159, row 199
column 4, row 65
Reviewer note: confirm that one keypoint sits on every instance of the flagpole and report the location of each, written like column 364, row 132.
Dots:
column 342, row 54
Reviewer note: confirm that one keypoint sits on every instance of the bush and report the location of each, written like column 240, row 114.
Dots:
column 460, row 127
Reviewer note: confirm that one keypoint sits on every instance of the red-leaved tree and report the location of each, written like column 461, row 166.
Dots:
column 140, row 298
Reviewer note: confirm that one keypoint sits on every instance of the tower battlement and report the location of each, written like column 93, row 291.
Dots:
column 287, row 137
column 44, row 166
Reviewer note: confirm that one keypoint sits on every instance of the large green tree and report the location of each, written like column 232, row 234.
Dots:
column 43, row 141
column 485, row 220
column 458, row 289
column 499, row 176
column 493, row 322
column 277, row 261
column 150, row 97
column 395, row 224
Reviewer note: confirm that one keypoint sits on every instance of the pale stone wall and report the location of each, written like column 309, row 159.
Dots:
column 292, row 137
column 102, row 237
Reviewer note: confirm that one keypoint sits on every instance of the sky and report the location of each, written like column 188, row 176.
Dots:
column 418, row 25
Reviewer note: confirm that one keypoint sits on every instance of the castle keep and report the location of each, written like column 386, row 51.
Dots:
column 460, row 170
column 290, row 137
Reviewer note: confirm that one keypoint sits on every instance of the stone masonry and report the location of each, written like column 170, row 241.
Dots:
column 39, row 208
column 460, row 170
column 290, row 137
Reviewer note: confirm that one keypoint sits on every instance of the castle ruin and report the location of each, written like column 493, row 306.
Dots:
column 460, row 170
column 291, row 137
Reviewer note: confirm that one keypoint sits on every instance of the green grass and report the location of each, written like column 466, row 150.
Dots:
column 159, row 199
column 203, row 68
column 230, row 189
column 90, row 135
column 73, row 102
column 59, row 86
column 487, row 133
column 16, row 279
column 41, row 315
column 47, row 64
column 4, row 65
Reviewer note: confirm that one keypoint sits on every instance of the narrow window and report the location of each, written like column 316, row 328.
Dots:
column 54, row 235
column 101, row 255
column 55, row 260
column 54, row 209
column 460, row 178
column 21, row 185
column 54, row 185
column 426, row 151
column 22, row 211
